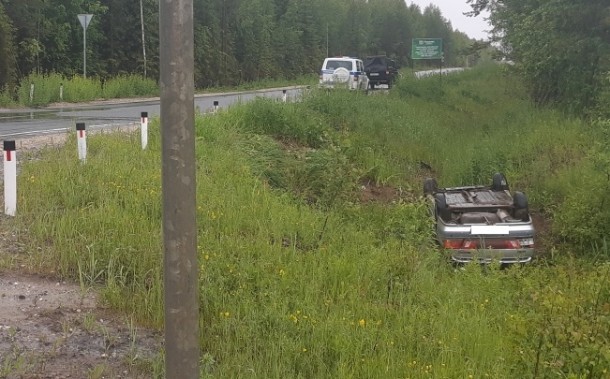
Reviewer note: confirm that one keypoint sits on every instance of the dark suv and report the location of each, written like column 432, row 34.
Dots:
column 380, row 70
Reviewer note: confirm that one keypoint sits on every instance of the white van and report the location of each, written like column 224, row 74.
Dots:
column 343, row 72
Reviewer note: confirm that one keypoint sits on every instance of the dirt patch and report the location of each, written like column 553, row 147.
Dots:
column 544, row 242
column 371, row 192
column 51, row 328
column 376, row 193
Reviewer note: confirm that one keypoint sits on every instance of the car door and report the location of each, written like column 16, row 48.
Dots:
column 363, row 79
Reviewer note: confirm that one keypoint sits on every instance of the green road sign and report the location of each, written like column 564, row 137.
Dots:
column 427, row 48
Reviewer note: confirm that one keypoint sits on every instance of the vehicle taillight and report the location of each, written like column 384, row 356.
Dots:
column 512, row 244
column 452, row 244
column 469, row 244
column 487, row 244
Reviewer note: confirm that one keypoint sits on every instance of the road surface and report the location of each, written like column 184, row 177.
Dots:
column 61, row 118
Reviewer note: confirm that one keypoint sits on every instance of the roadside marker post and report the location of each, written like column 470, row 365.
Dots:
column 284, row 96
column 215, row 106
column 144, row 129
column 10, row 178
column 81, row 136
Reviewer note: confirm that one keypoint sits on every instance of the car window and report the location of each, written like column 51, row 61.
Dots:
column 335, row 64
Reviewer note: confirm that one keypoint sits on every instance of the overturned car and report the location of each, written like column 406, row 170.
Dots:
column 482, row 223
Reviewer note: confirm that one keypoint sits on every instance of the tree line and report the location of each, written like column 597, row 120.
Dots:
column 561, row 48
column 235, row 40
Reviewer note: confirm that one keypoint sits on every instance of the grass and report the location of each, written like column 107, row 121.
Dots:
column 265, row 83
column 300, row 278
column 41, row 90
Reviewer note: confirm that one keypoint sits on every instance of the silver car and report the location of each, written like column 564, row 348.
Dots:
column 482, row 223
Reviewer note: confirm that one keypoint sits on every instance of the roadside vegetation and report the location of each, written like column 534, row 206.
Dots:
column 41, row 90
column 315, row 248
column 235, row 42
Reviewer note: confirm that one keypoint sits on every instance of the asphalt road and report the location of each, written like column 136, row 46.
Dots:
column 19, row 123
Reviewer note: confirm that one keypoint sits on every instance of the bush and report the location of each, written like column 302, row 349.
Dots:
column 38, row 89
column 130, row 86
column 288, row 122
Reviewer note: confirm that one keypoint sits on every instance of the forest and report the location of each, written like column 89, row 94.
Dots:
column 560, row 48
column 236, row 41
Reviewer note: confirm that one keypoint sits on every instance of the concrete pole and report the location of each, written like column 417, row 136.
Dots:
column 177, row 114
column 143, row 36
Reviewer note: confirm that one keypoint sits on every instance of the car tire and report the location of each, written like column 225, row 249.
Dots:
column 430, row 186
column 521, row 207
column 499, row 182
column 372, row 85
column 341, row 75
column 441, row 207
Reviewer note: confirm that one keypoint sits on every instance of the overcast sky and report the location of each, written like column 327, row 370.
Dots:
column 453, row 11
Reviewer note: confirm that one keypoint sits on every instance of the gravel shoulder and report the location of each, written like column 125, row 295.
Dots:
column 50, row 328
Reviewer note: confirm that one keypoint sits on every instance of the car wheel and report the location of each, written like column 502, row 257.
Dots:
column 499, row 182
column 372, row 85
column 441, row 206
column 430, row 186
column 521, row 206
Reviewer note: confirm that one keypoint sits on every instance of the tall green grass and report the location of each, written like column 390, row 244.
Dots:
column 6, row 98
column 53, row 88
column 310, row 79
column 302, row 278
column 127, row 86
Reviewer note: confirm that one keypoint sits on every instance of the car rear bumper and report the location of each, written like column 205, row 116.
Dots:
column 379, row 80
column 330, row 84
column 503, row 256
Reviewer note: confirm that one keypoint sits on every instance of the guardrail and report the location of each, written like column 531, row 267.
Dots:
column 440, row 71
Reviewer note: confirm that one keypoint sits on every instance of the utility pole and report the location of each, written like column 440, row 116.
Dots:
column 181, row 290
column 143, row 39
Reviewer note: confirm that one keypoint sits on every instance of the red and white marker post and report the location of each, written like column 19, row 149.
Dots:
column 144, row 129
column 81, row 136
column 10, row 178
